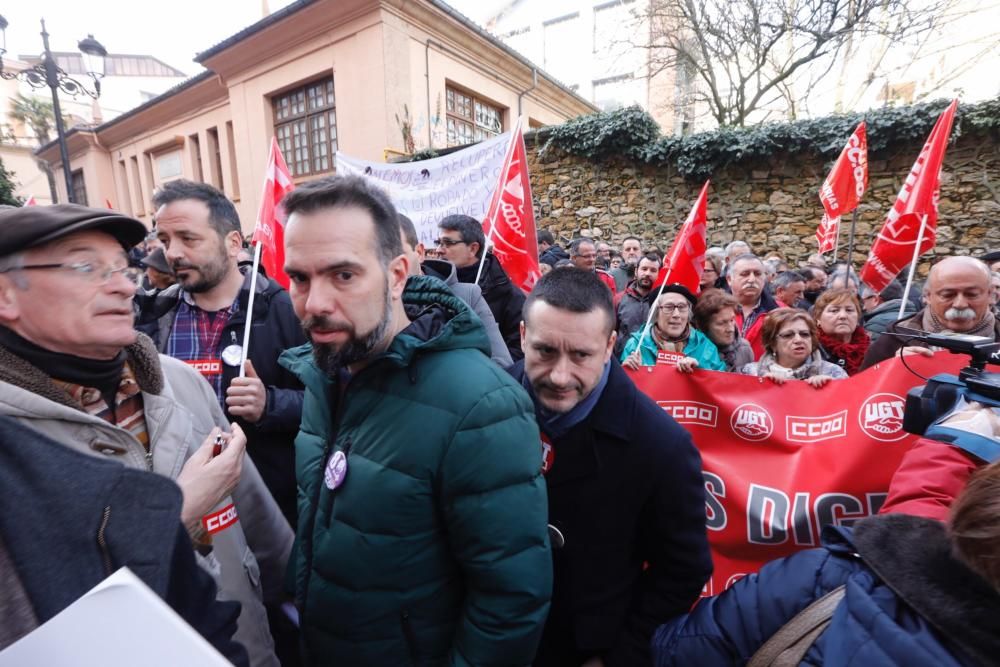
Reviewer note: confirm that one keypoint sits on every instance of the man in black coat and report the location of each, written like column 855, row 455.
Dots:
column 462, row 241
column 201, row 319
column 68, row 521
column 626, row 495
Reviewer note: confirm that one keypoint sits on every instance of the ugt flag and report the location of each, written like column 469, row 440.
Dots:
column 685, row 260
column 918, row 199
column 510, row 221
column 843, row 188
column 270, row 228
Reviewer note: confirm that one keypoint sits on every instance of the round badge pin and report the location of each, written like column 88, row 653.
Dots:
column 336, row 470
column 232, row 355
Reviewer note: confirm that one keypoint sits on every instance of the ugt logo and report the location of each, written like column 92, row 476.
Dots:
column 751, row 422
column 881, row 417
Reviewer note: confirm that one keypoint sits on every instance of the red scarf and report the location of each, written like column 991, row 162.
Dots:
column 849, row 355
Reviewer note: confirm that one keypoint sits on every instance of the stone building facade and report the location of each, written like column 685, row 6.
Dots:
column 773, row 204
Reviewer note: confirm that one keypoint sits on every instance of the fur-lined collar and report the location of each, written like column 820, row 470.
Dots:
column 141, row 357
column 912, row 555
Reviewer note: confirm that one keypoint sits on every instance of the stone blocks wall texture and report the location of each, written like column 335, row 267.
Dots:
column 772, row 204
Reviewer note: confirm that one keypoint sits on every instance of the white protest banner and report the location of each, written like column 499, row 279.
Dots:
column 426, row 191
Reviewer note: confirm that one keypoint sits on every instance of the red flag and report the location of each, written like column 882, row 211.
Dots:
column 30, row 201
column 826, row 233
column 270, row 228
column 107, row 204
column 511, row 210
column 686, row 259
column 843, row 188
column 918, row 198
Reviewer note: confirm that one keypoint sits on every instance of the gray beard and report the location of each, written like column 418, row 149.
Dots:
column 331, row 359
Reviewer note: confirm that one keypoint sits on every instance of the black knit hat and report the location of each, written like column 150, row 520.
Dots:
column 677, row 288
column 29, row 226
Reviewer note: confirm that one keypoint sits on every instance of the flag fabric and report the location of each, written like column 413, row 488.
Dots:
column 843, row 188
column 685, row 261
column 827, row 233
column 30, row 202
column 918, row 199
column 107, row 204
column 270, row 229
column 511, row 217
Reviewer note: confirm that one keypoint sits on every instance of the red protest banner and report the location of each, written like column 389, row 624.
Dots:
column 782, row 461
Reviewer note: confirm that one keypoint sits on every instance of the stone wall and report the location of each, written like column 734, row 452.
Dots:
column 772, row 204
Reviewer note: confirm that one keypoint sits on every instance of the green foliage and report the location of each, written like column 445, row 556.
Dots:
column 7, row 186
column 631, row 133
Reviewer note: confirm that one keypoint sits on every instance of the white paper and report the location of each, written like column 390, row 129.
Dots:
column 120, row 622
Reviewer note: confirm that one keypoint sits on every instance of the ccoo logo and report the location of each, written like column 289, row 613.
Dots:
column 691, row 412
column 881, row 417
column 751, row 422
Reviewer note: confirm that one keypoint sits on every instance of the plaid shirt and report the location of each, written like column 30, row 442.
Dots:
column 195, row 339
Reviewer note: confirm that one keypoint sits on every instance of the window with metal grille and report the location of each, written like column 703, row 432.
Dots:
column 79, row 187
column 305, row 123
column 469, row 118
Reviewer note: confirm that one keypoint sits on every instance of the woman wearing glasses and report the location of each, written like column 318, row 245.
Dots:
column 671, row 339
column 792, row 351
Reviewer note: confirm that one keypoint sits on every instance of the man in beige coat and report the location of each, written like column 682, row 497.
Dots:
column 73, row 368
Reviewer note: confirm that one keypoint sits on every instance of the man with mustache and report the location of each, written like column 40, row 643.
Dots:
column 201, row 320
column 633, row 306
column 746, row 282
column 626, row 494
column 957, row 293
column 422, row 513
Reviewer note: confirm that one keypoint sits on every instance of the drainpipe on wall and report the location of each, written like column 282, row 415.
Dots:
column 534, row 84
column 427, row 77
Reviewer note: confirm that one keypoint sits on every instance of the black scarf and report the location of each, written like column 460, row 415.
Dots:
column 103, row 375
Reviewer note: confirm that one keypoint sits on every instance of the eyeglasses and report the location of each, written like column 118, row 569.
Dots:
column 788, row 335
column 448, row 243
column 671, row 307
column 91, row 272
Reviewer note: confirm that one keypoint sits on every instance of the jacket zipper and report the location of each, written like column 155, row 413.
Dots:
column 411, row 639
column 102, row 542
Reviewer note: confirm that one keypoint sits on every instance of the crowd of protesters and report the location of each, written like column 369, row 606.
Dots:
column 468, row 472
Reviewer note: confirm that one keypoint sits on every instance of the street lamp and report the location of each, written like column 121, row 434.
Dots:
column 48, row 73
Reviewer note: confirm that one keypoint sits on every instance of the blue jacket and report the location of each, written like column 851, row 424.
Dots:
column 699, row 346
column 908, row 602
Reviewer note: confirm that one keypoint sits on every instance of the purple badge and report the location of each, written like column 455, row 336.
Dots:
column 336, row 470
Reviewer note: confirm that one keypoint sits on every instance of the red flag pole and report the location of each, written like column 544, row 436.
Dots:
column 501, row 182
column 913, row 266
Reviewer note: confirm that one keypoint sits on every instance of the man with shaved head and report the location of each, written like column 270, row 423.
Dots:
column 957, row 293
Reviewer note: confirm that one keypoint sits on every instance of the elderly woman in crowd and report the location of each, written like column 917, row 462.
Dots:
column 672, row 333
column 715, row 315
column 842, row 338
column 711, row 275
column 791, row 345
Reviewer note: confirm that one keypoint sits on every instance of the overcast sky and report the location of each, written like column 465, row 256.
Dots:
column 172, row 31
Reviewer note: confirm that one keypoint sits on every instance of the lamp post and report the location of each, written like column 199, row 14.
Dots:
column 47, row 73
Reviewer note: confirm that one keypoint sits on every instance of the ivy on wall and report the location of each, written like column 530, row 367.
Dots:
column 632, row 134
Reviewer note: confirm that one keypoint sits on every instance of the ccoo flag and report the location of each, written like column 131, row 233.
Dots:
column 270, row 229
column 511, row 212
column 685, row 261
column 917, row 200
column 843, row 188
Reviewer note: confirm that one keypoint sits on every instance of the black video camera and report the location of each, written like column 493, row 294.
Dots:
column 944, row 393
